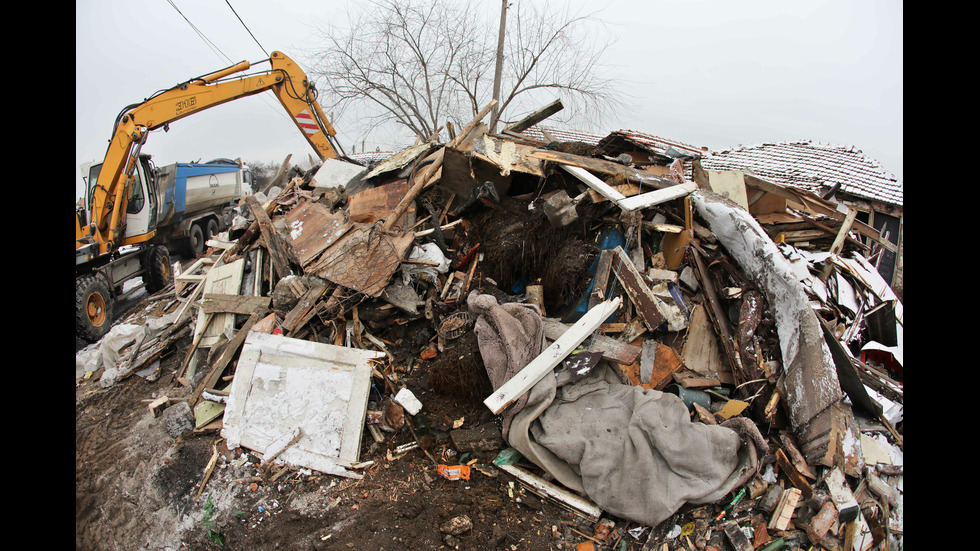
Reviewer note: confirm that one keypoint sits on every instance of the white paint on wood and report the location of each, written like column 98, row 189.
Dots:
column 284, row 384
column 653, row 198
column 221, row 280
column 510, row 391
column 541, row 486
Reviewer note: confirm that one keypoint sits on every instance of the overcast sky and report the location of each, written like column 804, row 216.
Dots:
column 712, row 73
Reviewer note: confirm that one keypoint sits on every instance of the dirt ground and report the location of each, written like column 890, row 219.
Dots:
column 137, row 486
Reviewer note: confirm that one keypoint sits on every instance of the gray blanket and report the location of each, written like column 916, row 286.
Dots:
column 633, row 451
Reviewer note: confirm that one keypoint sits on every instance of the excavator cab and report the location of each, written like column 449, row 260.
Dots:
column 141, row 207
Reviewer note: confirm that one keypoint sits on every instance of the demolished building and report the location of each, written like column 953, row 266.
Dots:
column 587, row 273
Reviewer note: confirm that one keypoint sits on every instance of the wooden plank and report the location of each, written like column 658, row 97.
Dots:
column 653, row 198
column 784, row 509
column 637, row 290
column 611, row 348
column 838, row 244
column 665, row 364
column 601, row 281
column 690, row 379
column 513, row 389
column 306, row 303
column 595, row 183
column 236, row 304
column 794, row 475
column 535, row 117
column 718, row 317
column 609, row 168
column 270, row 238
column 628, row 190
column 538, row 485
column 214, row 374
column 222, row 280
column 701, row 352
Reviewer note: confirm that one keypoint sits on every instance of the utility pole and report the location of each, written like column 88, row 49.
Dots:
column 500, row 66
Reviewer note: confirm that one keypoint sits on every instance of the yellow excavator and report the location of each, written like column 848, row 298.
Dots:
column 114, row 240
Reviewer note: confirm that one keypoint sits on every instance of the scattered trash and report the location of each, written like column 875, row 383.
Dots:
column 454, row 472
column 665, row 349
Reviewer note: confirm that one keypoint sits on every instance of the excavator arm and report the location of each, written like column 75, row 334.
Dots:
column 109, row 197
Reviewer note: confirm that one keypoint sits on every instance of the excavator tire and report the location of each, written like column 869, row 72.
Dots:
column 93, row 307
column 158, row 273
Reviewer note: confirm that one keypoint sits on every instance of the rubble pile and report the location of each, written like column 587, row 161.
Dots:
column 654, row 356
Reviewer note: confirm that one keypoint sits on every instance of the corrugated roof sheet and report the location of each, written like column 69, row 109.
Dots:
column 812, row 166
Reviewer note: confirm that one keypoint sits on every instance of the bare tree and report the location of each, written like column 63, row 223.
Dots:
column 424, row 63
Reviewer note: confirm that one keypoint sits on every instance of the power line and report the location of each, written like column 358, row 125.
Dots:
column 218, row 51
column 246, row 27
column 210, row 44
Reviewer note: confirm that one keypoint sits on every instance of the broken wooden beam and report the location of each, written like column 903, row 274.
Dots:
column 601, row 281
column 637, row 289
column 636, row 202
column 224, row 359
column 514, row 388
column 234, row 304
column 794, row 475
column 306, row 303
column 270, row 238
column 783, row 513
column 610, row 348
column 718, row 317
column 540, row 486
column 535, row 117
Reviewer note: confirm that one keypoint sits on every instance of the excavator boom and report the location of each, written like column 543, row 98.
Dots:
column 285, row 79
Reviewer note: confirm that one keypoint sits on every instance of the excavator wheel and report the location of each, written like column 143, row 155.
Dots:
column 93, row 307
column 158, row 273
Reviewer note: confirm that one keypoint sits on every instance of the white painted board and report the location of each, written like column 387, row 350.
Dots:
column 509, row 392
column 283, row 385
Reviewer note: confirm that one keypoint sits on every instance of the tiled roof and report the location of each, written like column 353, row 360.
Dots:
column 655, row 143
column 371, row 156
column 812, row 166
column 536, row 132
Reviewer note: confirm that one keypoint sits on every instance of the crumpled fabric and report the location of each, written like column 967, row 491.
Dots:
column 634, row 452
column 509, row 335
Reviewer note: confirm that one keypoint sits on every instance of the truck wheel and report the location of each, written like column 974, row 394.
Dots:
column 197, row 239
column 93, row 308
column 212, row 228
column 158, row 274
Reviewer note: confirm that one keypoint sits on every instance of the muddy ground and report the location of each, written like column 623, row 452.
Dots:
column 137, row 486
